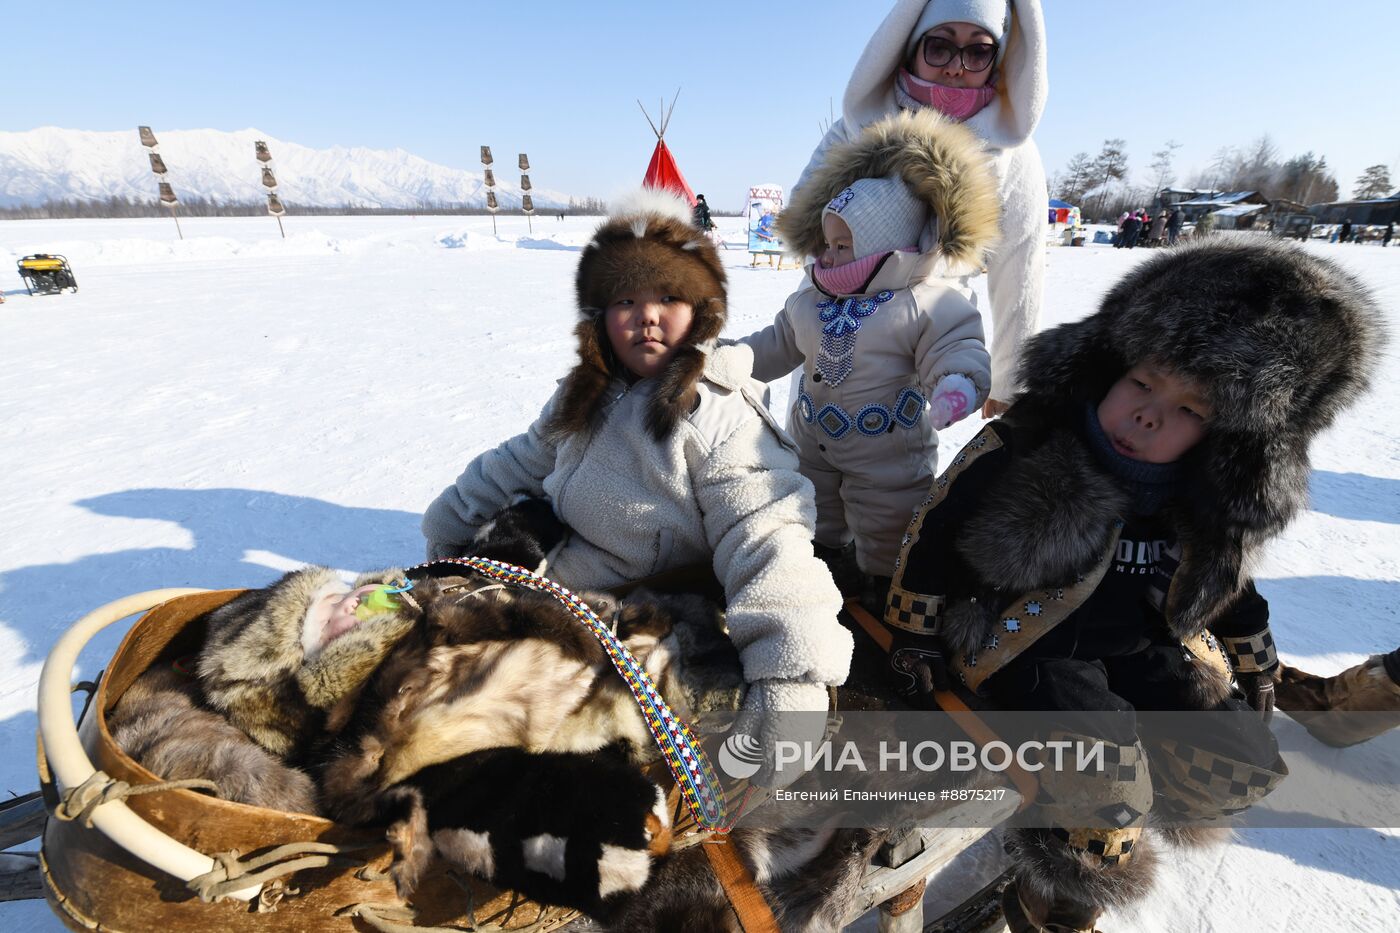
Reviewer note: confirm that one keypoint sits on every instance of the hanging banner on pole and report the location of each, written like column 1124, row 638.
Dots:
column 167, row 193
column 274, row 204
column 524, row 182
column 524, row 162
column 490, row 183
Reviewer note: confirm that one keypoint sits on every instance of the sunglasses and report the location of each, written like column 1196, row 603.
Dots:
column 976, row 57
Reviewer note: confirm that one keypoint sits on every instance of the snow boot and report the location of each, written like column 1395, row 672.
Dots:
column 1025, row 913
column 1358, row 704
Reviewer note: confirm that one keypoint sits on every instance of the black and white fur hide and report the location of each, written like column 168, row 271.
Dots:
column 566, row 828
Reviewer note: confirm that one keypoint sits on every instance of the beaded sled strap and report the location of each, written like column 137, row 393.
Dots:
column 691, row 769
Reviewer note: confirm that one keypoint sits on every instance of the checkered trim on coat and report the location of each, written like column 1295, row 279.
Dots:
column 1109, row 846
column 1196, row 784
column 1251, row 654
column 1114, row 801
column 919, row 613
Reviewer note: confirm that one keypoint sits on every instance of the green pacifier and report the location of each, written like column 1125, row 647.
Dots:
column 379, row 600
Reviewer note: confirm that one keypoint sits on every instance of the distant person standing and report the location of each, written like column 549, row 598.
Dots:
column 1205, row 225
column 1174, row 226
column 1345, row 233
column 1159, row 229
column 1389, row 232
column 1132, row 229
column 701, row 214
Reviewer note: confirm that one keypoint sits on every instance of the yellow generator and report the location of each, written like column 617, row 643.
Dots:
column 47, row 275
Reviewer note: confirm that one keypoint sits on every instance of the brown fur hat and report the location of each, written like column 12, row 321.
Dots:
column 942, row 163
column 648, row 241
column 1280, row 339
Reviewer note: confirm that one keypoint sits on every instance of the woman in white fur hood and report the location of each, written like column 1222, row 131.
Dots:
column 1003, row 118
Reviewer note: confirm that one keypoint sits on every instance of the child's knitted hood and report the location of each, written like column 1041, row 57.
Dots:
column 647, row 241
column 940, row 161
column 1281, row 341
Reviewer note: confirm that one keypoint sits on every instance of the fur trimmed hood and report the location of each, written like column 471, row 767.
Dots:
column 1022, row 77
column 1281, row 341
column 647, row 241
column 254, row 666
column 942, row 163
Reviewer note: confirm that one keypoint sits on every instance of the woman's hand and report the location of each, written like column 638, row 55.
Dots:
column 992, row 408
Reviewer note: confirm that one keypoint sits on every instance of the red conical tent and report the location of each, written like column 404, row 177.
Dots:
column 662, row 170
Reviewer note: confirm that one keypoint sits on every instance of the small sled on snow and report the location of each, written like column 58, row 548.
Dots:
column 46, row 274
column 124, row 851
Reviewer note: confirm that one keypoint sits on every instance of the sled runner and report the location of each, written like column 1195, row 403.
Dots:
column 45, row 274
column 123, row 850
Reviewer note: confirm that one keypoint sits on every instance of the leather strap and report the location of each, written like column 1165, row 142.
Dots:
column 952, row 704
column 733, row 875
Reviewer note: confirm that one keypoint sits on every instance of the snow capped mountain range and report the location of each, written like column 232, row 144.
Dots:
column 50, row 164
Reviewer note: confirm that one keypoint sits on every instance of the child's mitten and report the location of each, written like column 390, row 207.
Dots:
column 777, row 711
column 952, row 400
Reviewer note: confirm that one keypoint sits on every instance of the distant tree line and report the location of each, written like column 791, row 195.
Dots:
column 1101, row 186
column 121, row 206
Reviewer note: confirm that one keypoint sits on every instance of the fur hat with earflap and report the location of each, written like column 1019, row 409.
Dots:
column 647, row 241
column 1280, row 340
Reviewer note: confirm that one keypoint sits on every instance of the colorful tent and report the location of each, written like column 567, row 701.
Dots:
column 662, row 170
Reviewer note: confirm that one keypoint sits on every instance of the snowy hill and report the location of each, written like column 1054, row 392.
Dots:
column 50, row 164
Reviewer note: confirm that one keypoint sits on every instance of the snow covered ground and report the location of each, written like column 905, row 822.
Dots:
column 211, row 412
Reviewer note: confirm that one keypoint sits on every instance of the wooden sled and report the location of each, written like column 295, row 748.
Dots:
column 121, row 852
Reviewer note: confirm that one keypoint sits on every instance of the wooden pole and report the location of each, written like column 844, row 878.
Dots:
column 279, row 227
column 177, row 222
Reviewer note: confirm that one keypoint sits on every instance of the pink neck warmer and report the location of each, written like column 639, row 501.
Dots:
column 850, row 279
column 959, row 103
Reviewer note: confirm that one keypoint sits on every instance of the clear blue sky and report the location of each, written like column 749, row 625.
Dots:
column 559, row 79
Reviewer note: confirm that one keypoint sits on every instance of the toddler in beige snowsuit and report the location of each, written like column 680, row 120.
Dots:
column 890, row 351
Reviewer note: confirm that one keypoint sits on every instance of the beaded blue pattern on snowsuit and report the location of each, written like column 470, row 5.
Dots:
column 872, row 420
column 841, row 319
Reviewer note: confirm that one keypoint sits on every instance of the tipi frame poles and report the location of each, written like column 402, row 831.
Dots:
column 663, row 114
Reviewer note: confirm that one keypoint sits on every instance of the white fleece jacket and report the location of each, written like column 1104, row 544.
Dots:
column 722, row 488
column 1016, row 270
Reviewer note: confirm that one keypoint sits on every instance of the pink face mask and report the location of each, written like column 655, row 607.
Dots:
column 849, row 279
column 960, row 103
